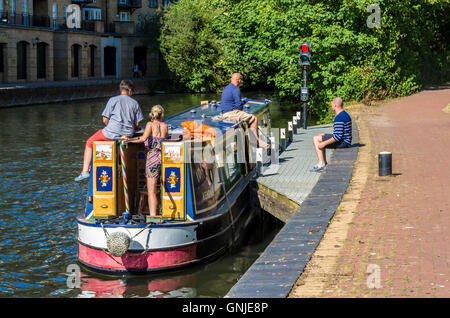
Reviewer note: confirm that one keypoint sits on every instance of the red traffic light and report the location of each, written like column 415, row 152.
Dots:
column 304, row 48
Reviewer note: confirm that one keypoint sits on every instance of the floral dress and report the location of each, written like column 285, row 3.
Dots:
column 153, row 161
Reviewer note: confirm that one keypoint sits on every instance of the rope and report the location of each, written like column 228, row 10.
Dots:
column 146, row 227
column 124, row 176
column 104, row 230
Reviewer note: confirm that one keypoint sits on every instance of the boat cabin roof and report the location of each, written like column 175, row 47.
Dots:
column 210, row 114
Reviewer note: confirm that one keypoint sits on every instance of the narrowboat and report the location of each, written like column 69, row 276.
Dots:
column 207, row 164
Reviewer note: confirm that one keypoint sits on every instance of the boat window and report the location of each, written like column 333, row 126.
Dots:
column 207, row 186
column 232, row 167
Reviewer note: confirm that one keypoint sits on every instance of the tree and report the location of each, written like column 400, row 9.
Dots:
column 204, row 42
column 189, row 45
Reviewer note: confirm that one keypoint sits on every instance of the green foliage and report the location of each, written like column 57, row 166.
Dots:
column 189, row 45
column 205, row 41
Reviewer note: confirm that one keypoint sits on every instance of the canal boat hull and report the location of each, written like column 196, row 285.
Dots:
column 162, row 247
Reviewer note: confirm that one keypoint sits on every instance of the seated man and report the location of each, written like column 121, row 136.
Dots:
column 121, row 117
column 232, row 106
column 341, row 137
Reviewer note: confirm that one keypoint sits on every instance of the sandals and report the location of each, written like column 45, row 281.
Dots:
column 82, row 176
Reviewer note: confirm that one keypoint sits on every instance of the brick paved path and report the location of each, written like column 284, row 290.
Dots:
column 401, row 225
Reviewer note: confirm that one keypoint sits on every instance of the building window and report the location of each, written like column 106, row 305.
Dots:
column 41, row 58
column 76, row 50
column 22, row 60
column 139, row 21
column 152, row 3
column 12, row 6
column 92, row 50
column 25, row 7
column 92, row 14
column 110, row 60
column 124, row 16
column 25, row 13
column 2, row 67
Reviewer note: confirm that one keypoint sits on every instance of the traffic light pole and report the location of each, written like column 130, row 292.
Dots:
column 305, row 60
column 305, row 103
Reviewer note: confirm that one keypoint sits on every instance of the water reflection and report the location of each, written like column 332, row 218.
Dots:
column 211, row 279
column 180, row 287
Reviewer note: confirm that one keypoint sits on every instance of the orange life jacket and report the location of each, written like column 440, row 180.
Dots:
column 203, row 131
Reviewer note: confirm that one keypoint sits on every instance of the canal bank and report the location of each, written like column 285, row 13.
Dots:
column 47, row 92
column 318, row 195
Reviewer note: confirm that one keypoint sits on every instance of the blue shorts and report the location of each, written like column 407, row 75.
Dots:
column 334, row 145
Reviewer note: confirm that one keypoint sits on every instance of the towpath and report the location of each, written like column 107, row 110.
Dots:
column 316, row 197
column 389, row 236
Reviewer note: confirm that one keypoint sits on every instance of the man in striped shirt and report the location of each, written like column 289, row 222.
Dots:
column 341, row 137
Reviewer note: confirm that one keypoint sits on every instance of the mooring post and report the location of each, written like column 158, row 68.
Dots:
column 299, row 117
column 290, row 135
column 274, row 154
column 259, row 161
column 294, row 124
column 283, row 139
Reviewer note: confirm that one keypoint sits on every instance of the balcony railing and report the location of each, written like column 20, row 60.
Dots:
column 47, row 22
column 85, row 25
column 129, row 4
column 25, row 20
column 99, row 26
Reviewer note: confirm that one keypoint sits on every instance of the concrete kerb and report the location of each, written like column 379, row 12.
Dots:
column 278, row 268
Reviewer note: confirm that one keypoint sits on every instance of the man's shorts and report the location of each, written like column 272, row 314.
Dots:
column 334, row 145
column 98, row 136
column 239, row 115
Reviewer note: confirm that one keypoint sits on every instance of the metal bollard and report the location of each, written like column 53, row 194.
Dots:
column 384, row 163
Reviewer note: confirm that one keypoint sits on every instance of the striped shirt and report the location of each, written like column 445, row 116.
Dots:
column 342, row 128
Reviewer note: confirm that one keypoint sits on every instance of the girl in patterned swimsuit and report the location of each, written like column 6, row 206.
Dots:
column 154, row 133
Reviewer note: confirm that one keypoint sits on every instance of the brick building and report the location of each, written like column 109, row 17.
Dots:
column 45, row 40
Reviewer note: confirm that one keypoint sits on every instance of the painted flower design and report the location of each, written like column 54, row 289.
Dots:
column 172, row 180
column 104, row 178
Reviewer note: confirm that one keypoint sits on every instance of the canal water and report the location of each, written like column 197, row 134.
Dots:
column 41, row 150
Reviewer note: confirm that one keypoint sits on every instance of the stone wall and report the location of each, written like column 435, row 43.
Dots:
column 10, row 97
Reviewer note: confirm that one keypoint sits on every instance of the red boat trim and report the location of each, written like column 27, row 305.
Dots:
column 168, row 248
column 115, row 264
